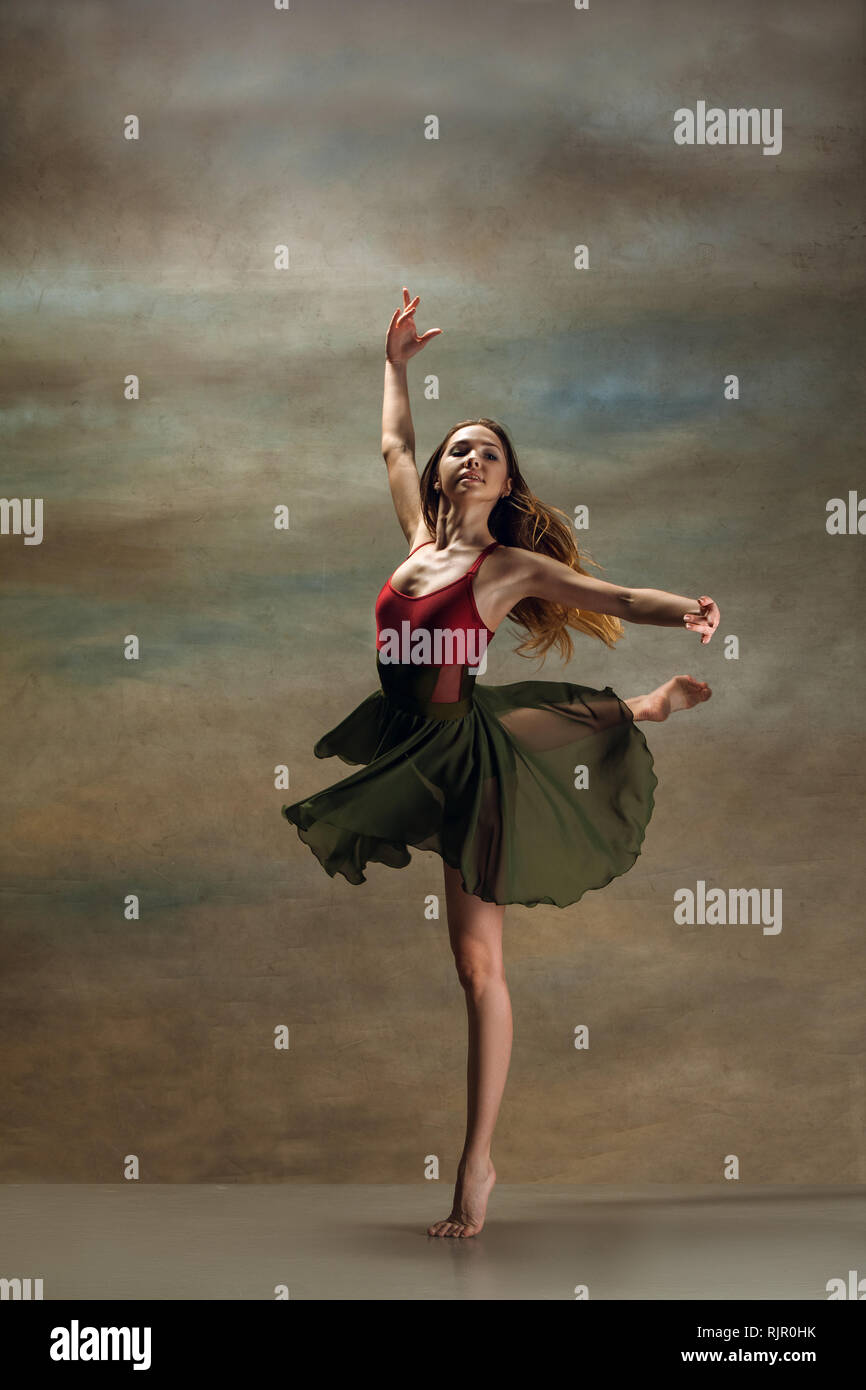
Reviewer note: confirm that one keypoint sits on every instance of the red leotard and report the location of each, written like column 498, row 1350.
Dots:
column 449, row 609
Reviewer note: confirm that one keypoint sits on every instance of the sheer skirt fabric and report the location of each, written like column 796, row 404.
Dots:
column 537, row 791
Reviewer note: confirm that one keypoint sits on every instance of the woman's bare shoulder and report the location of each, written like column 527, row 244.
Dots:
column 516, row 558
column 532, row 558
column 512, row 571
column 520, row 573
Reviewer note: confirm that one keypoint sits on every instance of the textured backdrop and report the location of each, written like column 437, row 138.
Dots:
column 261, row 388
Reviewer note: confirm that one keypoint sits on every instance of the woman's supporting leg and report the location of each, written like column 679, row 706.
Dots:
column 475, row 931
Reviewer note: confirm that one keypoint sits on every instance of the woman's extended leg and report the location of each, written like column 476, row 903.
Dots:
column 475, row 931
column 680, row 692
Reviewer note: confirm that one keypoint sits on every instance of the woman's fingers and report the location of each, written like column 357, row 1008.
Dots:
column 407, row 320
column 404, row 319
column 712, row 615
column 699, row 622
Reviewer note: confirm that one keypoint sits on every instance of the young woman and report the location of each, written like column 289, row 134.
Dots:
column 533, row 792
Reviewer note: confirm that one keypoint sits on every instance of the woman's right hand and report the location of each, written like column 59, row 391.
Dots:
column 706, row 620
column 401, row 340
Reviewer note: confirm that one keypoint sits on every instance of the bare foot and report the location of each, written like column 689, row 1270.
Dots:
column 680, row 692
column 474, row 1185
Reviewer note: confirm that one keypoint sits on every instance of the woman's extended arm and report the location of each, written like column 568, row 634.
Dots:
column 540, row 576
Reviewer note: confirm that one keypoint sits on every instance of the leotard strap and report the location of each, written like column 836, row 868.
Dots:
column 486, row 551
column 477, row 560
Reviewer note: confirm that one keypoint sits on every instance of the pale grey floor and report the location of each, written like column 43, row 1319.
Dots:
column 338, row 1242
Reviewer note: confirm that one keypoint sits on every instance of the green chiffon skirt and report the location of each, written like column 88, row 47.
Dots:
column 536, row 791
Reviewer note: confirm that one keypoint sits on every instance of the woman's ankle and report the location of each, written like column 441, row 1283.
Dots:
column 475, row 1159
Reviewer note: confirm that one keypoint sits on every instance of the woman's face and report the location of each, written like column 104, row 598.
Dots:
column 473, row 463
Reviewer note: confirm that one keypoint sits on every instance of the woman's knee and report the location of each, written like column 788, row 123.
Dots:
column 477, row 968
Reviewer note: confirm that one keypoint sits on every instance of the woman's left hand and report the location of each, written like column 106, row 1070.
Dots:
column 706, row 621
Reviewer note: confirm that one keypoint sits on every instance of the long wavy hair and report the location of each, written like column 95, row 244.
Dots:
column 522, row 519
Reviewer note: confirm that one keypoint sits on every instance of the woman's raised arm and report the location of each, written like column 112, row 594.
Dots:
column 398, row 432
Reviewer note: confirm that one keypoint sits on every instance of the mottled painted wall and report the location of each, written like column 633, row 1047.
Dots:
column 262, row 387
